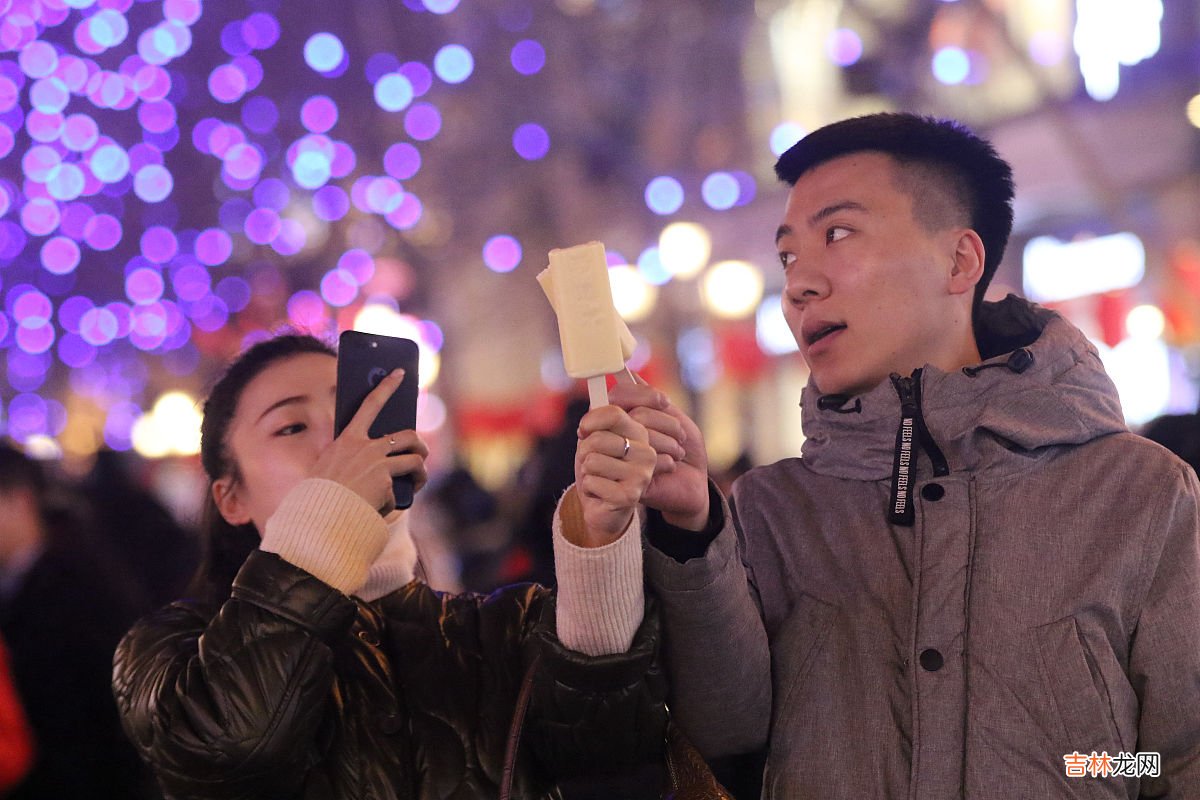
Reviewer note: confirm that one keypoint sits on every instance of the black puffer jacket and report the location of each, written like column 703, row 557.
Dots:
column 293, row 690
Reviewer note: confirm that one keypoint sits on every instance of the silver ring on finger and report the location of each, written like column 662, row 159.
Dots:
column 625, row 452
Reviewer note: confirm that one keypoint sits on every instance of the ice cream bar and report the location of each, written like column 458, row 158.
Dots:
column 589, row 329
column 628, row 340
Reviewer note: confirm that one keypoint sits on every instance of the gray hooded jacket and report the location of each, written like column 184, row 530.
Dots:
column 1034, row 595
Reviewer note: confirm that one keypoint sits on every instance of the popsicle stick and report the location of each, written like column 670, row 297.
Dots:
column 598, row 391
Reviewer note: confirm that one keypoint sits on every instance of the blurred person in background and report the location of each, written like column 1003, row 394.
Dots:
column 1179, row 433
column 159, row 551
column 64, row 604
column 306, row 661
column 16, row 738
column 540, row 484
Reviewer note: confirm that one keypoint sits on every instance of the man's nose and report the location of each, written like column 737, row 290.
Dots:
column 804, row 281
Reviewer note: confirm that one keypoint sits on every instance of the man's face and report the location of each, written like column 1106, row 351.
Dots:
column 866, row 285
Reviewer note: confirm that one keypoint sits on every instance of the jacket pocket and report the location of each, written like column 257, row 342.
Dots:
column 1081, row 706
column 793, row 652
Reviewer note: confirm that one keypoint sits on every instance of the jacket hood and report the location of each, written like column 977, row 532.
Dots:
column 1040, row 384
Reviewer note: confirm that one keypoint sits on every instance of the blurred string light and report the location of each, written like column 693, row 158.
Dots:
column 951, row 65
column 633, row 295
column 683, row 248
column 720, row 191
column 844, row 47
column 502, row 253
column 170, row 428
column 531, row 141
column 664, row 195
column 1145, row 322
column 453, row 63
column 771, row 328
column 383, row 319
column 784, row 135
column 93, row 116
column 651, row 268
column 1193, row 111
column 732, row 289
column 1110, row 34
column 528, row 56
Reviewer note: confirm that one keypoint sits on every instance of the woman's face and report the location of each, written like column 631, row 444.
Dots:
column 283, row 420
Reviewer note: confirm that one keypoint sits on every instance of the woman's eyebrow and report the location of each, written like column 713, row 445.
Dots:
column 287, row 401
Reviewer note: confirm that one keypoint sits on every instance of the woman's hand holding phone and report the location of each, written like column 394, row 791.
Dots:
column 367, row 466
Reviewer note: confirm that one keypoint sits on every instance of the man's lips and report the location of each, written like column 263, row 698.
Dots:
column 819, row 330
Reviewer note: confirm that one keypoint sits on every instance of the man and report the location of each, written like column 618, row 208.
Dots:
column 976, row 582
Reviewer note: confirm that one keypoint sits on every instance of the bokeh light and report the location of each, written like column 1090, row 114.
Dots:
column 784, row 135
column 453, row 63
column 720, row 191
column 844, row 47
column 664, row 195
column 324, row 52
column 318, row 114
column 531, row 141
column 951, row 65
column 393, row 92
column 502, row 253
column 422, row 121
column 528, row 57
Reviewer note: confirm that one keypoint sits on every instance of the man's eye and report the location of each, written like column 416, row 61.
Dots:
column 787, row 259
column 291, row 430
column 836, row 233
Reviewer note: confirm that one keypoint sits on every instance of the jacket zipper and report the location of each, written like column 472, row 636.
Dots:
column 912, row 430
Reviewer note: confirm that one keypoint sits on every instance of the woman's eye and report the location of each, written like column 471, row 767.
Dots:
column 836, row 233
column 787, row 259
column 291, row 430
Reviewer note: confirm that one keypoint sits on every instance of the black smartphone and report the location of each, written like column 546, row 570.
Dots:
column 365, row 359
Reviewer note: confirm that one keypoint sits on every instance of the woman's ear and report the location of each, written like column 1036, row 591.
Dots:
column 227, row 495
column 967, row 269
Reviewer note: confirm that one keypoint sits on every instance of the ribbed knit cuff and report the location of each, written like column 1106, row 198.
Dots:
column 395, row 566
column 600, row 596
column 327, row 530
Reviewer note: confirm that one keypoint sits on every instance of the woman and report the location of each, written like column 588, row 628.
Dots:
column 307, row 662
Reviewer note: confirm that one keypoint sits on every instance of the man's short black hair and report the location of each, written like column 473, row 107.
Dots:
column 943, row 154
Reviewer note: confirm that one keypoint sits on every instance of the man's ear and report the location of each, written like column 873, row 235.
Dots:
column 967, row 269
column 227, row 495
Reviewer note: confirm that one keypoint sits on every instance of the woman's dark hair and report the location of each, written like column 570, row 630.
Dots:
column 226, row 546
column 944, row 156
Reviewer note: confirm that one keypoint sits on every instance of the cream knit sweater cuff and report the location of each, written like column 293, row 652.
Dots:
column 396, row 565
column 327, row 530
column 600, row 596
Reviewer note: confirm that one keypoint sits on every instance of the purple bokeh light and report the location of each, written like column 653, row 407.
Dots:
column 531, row 141
column 423, row 121
column 502, row 253
column 318, row 114
column 402, row 161
column 528, row 57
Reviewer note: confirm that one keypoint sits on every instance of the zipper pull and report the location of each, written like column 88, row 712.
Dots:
column 901, row 511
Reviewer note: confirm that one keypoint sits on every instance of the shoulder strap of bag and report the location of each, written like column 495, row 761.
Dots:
column 514, row 729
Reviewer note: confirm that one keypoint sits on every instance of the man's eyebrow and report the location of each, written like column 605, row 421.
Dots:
column 287, row 401
column 784, row 230
column 829, row 211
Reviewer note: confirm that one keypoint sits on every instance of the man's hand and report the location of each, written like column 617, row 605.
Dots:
column 613, row 466
column 679, row 488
